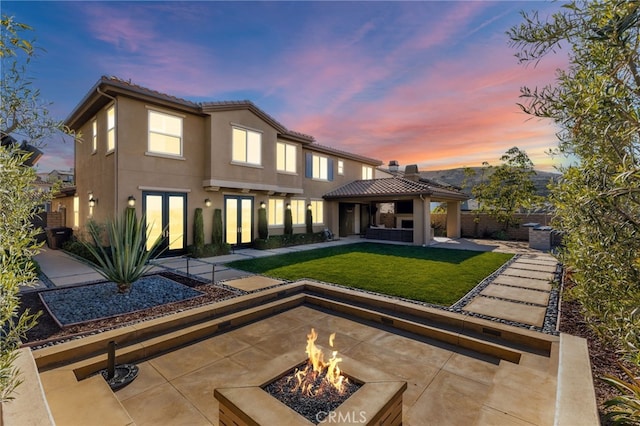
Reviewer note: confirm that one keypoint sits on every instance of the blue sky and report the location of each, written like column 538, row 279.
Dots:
column 422, row 82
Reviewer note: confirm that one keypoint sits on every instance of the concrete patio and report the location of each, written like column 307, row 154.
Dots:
column 459, row 369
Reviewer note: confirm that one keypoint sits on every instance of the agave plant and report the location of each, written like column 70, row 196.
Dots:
column 126, row 258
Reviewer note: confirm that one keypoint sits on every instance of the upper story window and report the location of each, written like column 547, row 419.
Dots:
column 367, row 172
column 94, row 135
column 111, row 128
column 340, row 167
column 276, row 212
column 319, row 167
column 247, row 146
column 298, row 212
column 165, row 133
column 286, row 157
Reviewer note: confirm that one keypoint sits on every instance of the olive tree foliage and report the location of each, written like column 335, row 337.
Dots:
column 595, row 102
column 22, row 115
column 506, row 189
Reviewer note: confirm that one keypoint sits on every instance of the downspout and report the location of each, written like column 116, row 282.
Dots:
column 115, row 149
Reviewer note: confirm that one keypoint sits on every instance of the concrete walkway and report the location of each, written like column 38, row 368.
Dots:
column 519, row 294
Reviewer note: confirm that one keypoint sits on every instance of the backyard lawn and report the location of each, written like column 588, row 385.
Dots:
column 438, row 276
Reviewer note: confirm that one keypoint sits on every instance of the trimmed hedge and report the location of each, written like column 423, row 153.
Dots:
column 276, row 241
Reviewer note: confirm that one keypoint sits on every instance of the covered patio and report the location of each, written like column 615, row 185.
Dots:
column 396, row 209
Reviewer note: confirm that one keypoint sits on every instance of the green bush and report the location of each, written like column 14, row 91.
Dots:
column 288, row 222
column 276, row 241
column 126, row 258
column 263, row 226
column 308, row 220
column 198, row 229
column 75, row 247
column 216, row 239
column 208, row 250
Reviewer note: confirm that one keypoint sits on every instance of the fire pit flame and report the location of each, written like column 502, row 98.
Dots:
column 316, row 367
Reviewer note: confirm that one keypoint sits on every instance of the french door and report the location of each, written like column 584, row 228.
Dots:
column 165, row 214
column 238, row 213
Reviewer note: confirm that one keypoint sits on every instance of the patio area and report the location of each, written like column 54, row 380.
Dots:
column 460, row 368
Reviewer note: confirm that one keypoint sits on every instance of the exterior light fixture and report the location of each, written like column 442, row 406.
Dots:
column 131, row 201
column 262, row 205
column 207, row 202
column 288, row 206
column 309, row 206
column 92, row 202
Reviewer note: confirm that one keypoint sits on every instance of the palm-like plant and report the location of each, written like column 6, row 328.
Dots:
column 126, row 258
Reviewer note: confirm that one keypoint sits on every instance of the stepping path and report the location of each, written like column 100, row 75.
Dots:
column 520, row 293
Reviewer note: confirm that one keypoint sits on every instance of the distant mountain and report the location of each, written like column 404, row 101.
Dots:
column 456, row 177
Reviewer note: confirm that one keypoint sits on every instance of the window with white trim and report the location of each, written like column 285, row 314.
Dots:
column 298, row 212
column 276, row 212
column 286, row 157
column 165, row 133
column 367, row 172
column 94, row 136
column 247, row 146
column 111, row 128
column 317, row 210
column 320, row 169
column 340, row 167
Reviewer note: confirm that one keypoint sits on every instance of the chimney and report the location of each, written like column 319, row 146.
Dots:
column 411, row 172
column 393, row 166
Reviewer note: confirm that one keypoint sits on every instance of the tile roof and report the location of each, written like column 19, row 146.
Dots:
column 391, row 187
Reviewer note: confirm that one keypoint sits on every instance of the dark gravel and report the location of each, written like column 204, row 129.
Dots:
column 313, row 408
column 75, row 305
column 47, row 332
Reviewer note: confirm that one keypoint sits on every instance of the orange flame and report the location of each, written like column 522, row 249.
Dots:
column 306, row 378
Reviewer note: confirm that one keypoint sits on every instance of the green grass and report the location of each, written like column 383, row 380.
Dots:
column 438, row 276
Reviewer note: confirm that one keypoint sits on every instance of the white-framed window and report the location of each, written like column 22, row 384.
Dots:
column 286, row 157
column 320, row 168
column 317, row 210
column 247, row 146
column 111, row 128
column 367, row 172
column 340, row 167
column 298, row 211
column 165, row 133
column 94, row 136
column 276, row 212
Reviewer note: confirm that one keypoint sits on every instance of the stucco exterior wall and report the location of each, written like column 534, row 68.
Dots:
column 487, row 226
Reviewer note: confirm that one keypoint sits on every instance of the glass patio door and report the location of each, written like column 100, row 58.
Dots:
column 165, row 215
column 238, row 220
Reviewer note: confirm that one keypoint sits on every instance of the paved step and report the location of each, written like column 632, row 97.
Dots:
column 516, row 396
column 550, row 268
column 515, row 272
column 517, row 294
column 530, row 283
column 510, row 311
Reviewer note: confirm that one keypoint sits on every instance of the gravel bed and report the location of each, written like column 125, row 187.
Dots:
column 75, row 305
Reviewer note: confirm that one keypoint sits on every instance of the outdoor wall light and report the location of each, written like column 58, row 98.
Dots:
column 308, row 206
column 262, row 205
column 288, row 206
column 92, row 201
column 207, row 202
column 131, row 201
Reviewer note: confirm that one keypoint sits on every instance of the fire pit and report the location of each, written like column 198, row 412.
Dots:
column 313, row 391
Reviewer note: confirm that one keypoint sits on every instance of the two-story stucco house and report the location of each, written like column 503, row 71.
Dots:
column 168, row 156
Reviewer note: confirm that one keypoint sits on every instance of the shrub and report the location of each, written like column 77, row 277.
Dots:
column 276, row 241
column 288, row 222
column 208, row 250
column 198, row 229
column 217, row 228
column 263, row 226
column 126, row 258
column 308, row 220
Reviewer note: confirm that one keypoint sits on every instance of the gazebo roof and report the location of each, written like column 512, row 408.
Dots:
column 392, row 188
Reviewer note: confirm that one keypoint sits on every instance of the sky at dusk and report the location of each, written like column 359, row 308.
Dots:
column 422, row 82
